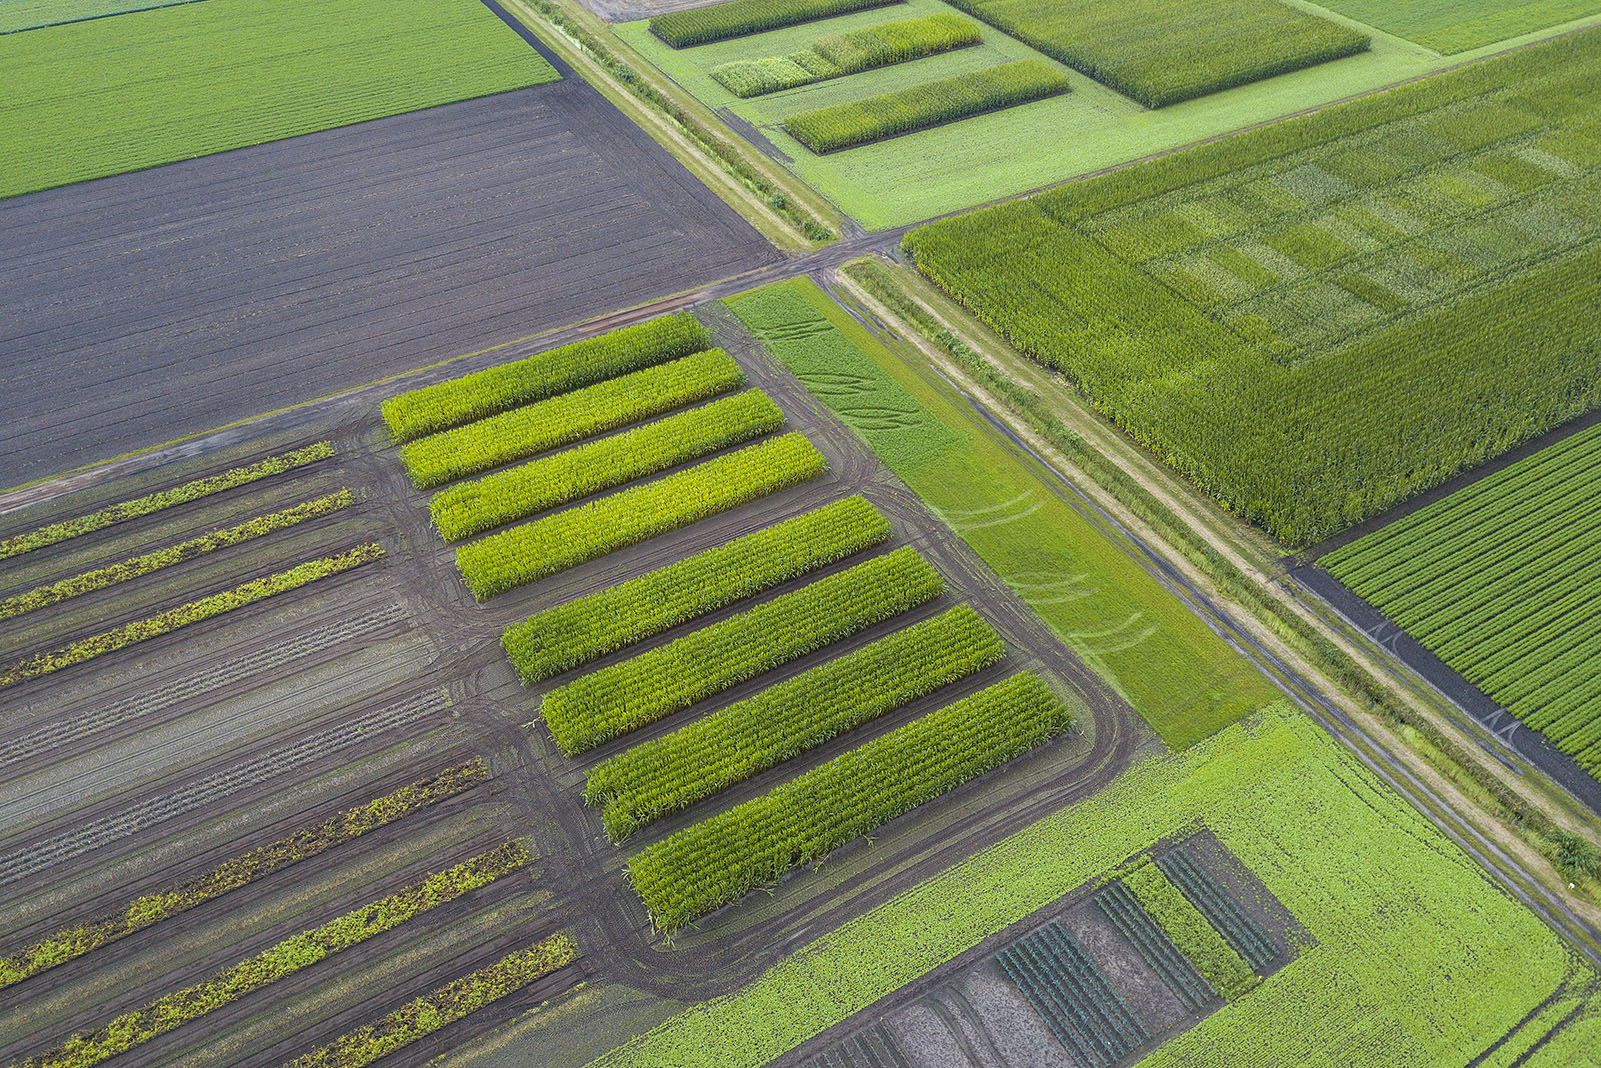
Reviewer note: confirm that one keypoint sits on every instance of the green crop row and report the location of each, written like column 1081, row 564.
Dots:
column 705, row 757
column 154, row 502
column 523, row 554
column 717, row 22
column 193, row 612
column 147, row 909
column 917, row 107
column 287, row 957
column 838, row 54
column 454, row 1001
column 1190, row 931
column 509, row 385
column 575, row 633
column 100, row 578
column 568, row 418
column 719, row 860
column 608, row 703
column 474, row 507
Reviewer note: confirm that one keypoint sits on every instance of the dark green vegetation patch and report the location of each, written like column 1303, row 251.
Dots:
column 717, row 22
column 838, row 54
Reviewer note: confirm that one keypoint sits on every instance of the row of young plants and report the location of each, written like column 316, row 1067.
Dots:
column 454, row 1001
column 559, row 639
column 155, row 502
column 100, row 578
column 703, row 758
column 193, row 612
column 719, row 860
column 837, row 54
column 167, row 1013
column 1083, row 1010
column 917, row 107
column 1190, row 932
column 470, row 508
column 736, row 18
column 148, row 909
column 511, row 558
column 509, row 385
column 613, row 701
column 568, row 417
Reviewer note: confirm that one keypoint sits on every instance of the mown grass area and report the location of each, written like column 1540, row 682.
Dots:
column 1451, row 26
column 110, row 95
column 1175, row 671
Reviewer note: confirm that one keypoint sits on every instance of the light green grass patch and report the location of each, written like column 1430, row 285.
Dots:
column 1457, row 25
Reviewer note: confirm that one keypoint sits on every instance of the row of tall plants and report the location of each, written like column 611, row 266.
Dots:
column 736, row 18
column 837, row 54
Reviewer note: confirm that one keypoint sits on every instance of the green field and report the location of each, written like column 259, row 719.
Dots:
column 1312, row 320
column 1457, row 25
column 110, row 95
column 1501, row 580
column 17, row 15
column 1176, row 672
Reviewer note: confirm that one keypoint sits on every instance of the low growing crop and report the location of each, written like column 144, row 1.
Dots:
column 605, row 704
column 522, row 554
column 705, row 757
column 838, row 54
column 575, row 633
column 717, row 22
column 474, row 507
column 1190, row 932
column 721, row 859
column 918, row 107
column 568, row 418
column 496, row 389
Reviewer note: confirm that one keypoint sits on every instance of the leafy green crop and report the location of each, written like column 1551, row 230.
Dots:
column 1190, row 932
column 716, row 22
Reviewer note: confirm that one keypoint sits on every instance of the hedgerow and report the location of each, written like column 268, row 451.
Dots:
column 287, row 957
column 493, row 390
column 707, row 756
column 568, row 418
column 154, row 502
column 917, row 107
column 717, row 22
column 193, row 612
column 100, row 578
column 473, row 507
column 1190, row 932
column 510, row 558
column 837, row 54
column 722, row 858
column 451, row 1002
column 148, row 909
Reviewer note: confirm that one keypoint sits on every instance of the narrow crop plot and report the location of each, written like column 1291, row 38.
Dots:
column 1190, row 932
column 18, row 15
column 1459, row 25
column 1070, row 993
column 839, row 54
column 1500, row 580
column 715, row 22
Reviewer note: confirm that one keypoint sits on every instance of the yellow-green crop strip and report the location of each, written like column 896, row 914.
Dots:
column 835, row 55
column 1190, row 932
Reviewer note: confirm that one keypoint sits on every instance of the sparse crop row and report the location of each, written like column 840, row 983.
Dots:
column 608, row 703
column 721, row 859
column 717, row 22
column 496, row 389
column 454, row 1001
column 148, row 909
column 1069, row 992
column 287, row 957
column 575, row 633
column 837, row 54
column 193, row 612
column 1190, row 932
column 473, row 507
column 154, row 502
column 522, row 554
column 918, row 107
column 100, row 578
column 568, row 418
column 705, row 757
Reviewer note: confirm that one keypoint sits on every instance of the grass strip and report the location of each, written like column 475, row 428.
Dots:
column 1190, row 931
column 496, row 389
column 579, row 631
column 718, row 22
column 454, row 1001
column 705, row 757
column 287, row 957
column 568, row 418
column 193, row 612
column 474, row 507
column 837, row 54
column 611, row 702
column 523, row 554
column 154, row 502
column 100, row 578
column 719, row 860
column 918, row 107
column 148, row 909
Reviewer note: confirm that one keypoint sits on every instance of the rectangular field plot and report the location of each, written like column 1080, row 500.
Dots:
column 1451, row 26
